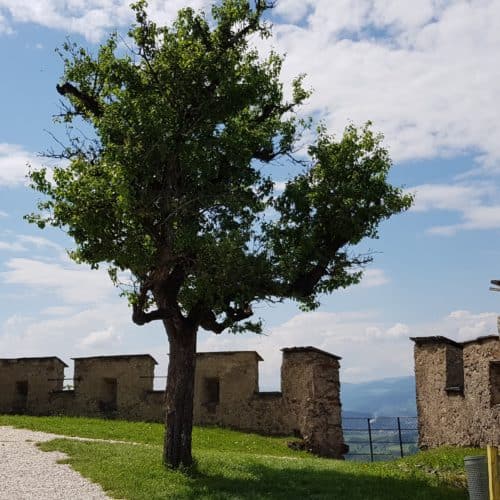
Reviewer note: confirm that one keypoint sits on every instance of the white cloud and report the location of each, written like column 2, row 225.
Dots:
column 360, row 338
column 11, row 246
column 40, row 242
column 92, row 19
column 24, row 242
column 370, row 348
column 60, row 335
column 70, row 282
column 425, row 72
column 3, row 214
column 399, row 330
column 5, row 29
column 466, row 325
column 58, row 311
column 101, row 339
column 279, row 186
column 474, row 202
column 13, row 164
column 448, row 196
column 101, row 329
column 374, row 277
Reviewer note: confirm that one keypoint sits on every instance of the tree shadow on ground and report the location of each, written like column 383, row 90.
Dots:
column 137, row 473
column 307, row 483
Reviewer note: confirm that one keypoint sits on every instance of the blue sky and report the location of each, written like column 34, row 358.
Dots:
column 426, row 73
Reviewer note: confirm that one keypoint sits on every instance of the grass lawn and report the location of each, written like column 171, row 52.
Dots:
column 234, row 465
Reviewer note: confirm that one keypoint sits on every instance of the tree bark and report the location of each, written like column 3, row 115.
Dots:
column 179, row 396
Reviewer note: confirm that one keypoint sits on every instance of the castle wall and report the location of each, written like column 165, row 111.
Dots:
column 311, row 393
column 226, row 393
column 224, row 385
column 484, row 416
column 455, row 391
column 307, row 406
column 113, row 385
column 237, row 403
column 26, row 384
column 153, row 409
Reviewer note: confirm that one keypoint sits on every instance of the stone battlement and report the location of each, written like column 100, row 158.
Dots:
column 226, row 392
column 458, row 391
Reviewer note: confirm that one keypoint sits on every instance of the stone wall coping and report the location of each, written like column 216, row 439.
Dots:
column 479, row 340
column 116, row 357
column 43, row 358
column 438, row 339
column 226, row 353
column 435, row 339
column 310, row 349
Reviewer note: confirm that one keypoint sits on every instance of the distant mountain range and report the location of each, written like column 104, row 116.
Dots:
column 387, row 397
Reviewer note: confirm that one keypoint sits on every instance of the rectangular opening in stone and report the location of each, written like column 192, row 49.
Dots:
column 211, row 390
column 495, row 382
column 21, row 396
column 109, row 395
column 454, row 370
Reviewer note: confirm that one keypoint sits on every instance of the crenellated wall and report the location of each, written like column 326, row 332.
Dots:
column 457, row 383
column 226, row 392
column 27, row 384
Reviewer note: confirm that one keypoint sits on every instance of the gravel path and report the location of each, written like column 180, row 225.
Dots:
column 27, row 473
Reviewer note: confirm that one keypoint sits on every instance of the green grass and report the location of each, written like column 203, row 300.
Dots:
column 235, row 465
column 152, row 434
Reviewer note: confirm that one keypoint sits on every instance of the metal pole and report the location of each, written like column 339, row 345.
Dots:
column 400, row 440
column 493, row 472
column 370, row 438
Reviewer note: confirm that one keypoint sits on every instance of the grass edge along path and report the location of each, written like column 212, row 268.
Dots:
column 234, row 465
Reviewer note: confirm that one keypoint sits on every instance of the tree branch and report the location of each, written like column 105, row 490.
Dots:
column 210, row 323
column 260, row 7
column 139, row 317
column 89, row 102
column 304, row 285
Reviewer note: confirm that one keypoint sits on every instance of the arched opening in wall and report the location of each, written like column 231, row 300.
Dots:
column 20, row 404
column 495, row 382
column 109, row 395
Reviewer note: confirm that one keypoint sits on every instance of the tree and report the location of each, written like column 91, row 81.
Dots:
column 172, row 188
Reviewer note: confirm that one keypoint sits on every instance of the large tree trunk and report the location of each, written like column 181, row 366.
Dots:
column 179, row 396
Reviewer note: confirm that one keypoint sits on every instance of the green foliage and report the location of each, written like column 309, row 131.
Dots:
column 172, row 189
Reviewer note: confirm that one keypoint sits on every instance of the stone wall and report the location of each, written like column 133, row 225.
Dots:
column 26, row 384
column 226, row 393
column 456, row 391
column 311, row 393
column 110, row 386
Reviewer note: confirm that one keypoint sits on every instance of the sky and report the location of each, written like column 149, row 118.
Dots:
column 425, row 73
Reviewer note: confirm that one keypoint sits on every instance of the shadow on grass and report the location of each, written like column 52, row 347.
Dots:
column 307, row 483
column 136, row 473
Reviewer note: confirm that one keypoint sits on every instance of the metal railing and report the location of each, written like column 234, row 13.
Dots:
column 380, row 438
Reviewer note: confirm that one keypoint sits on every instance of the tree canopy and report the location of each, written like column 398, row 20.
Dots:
column 172, row 187
column 177, row 186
